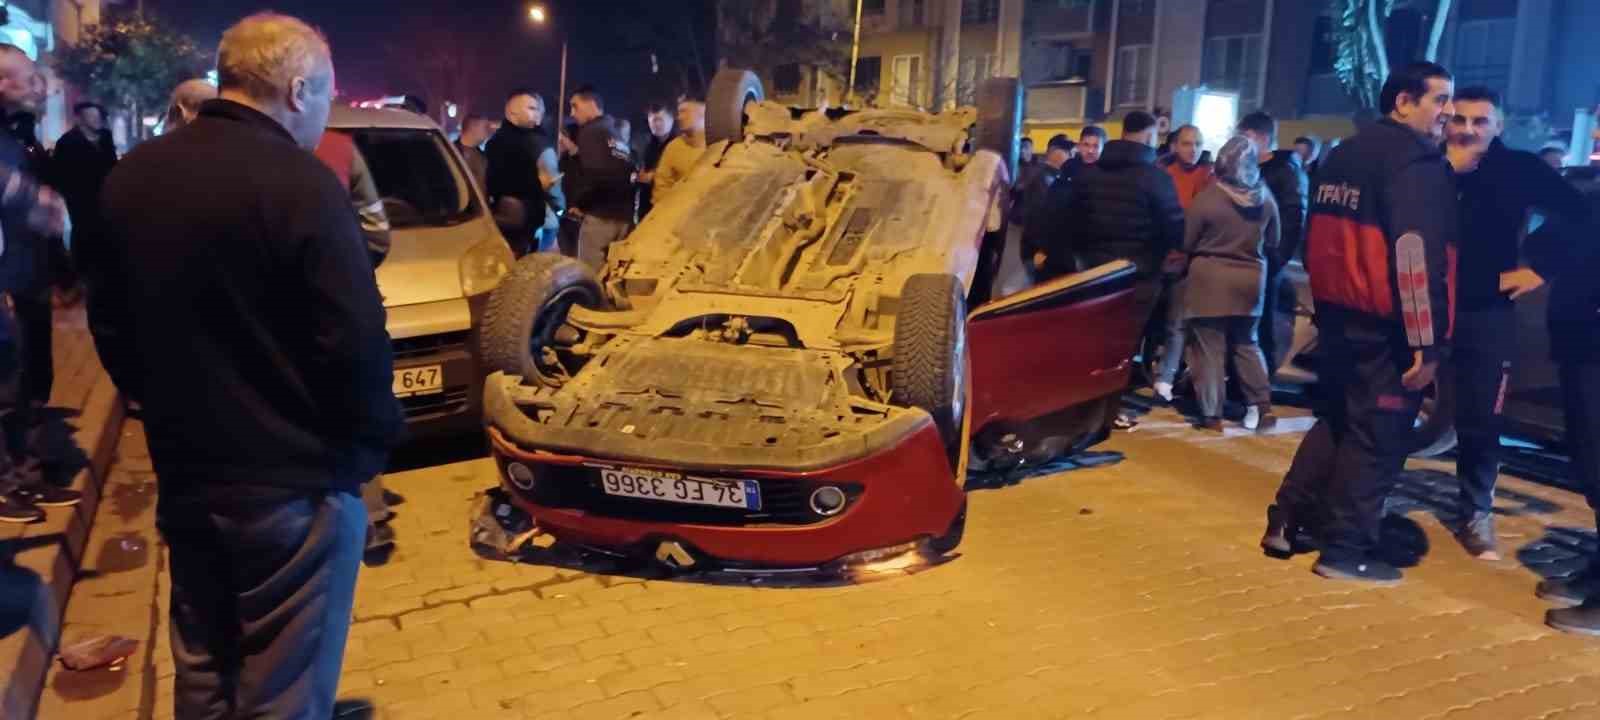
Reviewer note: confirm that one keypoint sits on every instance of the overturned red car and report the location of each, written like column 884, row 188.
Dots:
column 778, row 369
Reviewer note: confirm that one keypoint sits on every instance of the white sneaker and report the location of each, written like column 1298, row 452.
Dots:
column 1164, row 390
column 1252, row 418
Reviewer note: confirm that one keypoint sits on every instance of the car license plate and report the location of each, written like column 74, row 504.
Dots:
column 675, row 488
column 425, row 380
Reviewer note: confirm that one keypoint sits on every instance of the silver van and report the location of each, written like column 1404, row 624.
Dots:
column 447, row 254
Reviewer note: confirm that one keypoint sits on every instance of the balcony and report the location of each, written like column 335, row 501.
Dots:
column 1057, row 102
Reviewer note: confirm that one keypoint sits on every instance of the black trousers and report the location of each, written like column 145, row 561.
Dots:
column 1347, row 465
column 1580, row 391
column 1481, row 367
column 36, row 328
column 262, row 591
column 1272, row 345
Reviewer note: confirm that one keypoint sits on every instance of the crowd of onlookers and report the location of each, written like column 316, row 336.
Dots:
column 1418, row 234
column 1210, row 237
column 584, row 189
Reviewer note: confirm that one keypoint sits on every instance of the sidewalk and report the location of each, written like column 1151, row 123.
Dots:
column 39, row 563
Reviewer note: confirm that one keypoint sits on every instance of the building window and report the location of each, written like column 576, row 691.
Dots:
column 980, row 12
column 869, row 73
column 1483, row 53
column 786, row 79
column 1235, row 63
column 913, row 13
column 872, row 7
column 905, row 88
column 1067, row 62
column 974, row 70
column 1133, row 75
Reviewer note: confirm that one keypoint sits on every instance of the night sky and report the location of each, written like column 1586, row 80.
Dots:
column 377, row 42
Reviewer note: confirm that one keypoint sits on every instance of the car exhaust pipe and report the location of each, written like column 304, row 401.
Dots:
column 673, row 554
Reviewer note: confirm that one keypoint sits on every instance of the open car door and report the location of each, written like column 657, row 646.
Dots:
column 1052, row 361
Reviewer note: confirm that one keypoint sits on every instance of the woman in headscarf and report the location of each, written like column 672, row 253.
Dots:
column 1228, row 229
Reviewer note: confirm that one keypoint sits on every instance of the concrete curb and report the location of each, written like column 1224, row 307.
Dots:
column 47, row 556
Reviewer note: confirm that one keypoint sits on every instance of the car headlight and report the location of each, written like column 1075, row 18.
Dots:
column 484, row 265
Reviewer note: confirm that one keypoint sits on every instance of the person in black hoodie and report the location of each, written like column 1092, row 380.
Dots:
column 1284, row 175
column 1499, row 188
column 1574, row 319
column 1120, row 207
column 256, row 334
column 601, row 194
column 516, row 154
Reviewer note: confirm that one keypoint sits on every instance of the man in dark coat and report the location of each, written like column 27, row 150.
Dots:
column 256, row 333
column 662, row 133
column 1499, row 189
column 1574, row 319
column 1120, row 207
column 1284, row 175
column 83, row 157
column 601, row 194
column 514, row 154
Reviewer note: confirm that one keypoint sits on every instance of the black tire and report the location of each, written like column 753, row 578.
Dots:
column 1000, row 119
column 526, row 309
column 1436, row 424
column 948, row 542
column 930, row 344
column 730, row 91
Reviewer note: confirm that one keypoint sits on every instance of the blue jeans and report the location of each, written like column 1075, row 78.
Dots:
column 262, row 589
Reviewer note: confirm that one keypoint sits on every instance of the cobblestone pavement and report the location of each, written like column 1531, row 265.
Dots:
column 1133, row 590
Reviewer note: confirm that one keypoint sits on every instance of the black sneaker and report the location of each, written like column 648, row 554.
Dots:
column 1570, row 590
column 1269, row 422
column 1376, row 572
column 1210, row 424
column 1277, row 542
column 1581, row 620
column 50, row 496
column 1477, row 536
column 14, row 508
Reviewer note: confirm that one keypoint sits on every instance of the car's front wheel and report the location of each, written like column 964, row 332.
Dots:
column 930, row 351
column 520, row 328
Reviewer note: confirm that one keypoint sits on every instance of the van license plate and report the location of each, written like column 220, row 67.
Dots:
column 425, row 380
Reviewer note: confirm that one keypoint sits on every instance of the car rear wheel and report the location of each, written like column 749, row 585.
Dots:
column 1000, row 119
column 1436, row 426
column 731, row 91
column 930, row 350
column 525, row 311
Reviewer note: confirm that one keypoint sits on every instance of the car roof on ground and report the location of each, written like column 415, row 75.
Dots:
column 349, row 117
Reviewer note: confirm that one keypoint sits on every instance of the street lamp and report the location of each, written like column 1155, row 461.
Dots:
column 537, row 14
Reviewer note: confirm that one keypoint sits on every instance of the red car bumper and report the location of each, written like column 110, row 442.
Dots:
column 902, row 494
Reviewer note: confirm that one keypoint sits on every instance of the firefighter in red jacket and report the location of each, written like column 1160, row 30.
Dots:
column 1379, row 252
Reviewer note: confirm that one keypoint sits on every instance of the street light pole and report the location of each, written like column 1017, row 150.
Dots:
column 538, row 15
